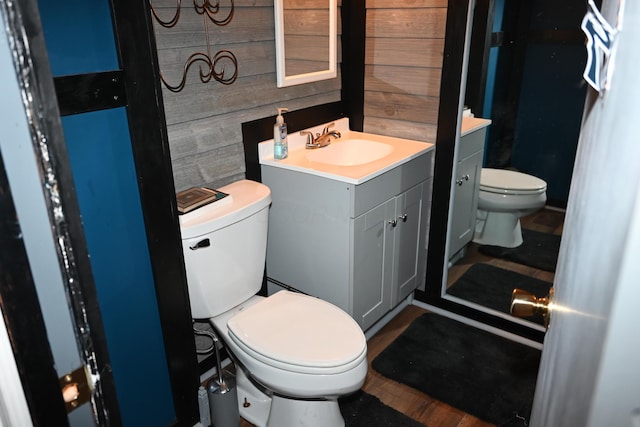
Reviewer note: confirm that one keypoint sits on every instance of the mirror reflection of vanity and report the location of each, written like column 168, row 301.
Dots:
column 306, row 41
column 465, row 188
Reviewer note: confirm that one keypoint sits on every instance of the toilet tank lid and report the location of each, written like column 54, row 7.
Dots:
column 504, row 179
column 247, row 198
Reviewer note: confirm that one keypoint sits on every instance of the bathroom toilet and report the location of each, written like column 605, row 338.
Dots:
column 294, row 354
column 504, row 197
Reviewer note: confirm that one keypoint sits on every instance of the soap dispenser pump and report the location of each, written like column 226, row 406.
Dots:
column 280, row 146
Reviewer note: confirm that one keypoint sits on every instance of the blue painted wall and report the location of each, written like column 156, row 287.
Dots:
column 79, row 37
column 551, row 98
column 549, row 115
column 493, row 58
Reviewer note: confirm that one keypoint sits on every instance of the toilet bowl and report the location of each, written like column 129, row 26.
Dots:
column 504, row 197
column 318, row 352
column 295, row 354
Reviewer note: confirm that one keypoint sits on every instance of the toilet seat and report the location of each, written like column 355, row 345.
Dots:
column 502, row 181
column 299, row 333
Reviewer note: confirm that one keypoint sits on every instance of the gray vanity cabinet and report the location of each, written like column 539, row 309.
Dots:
column 361, row 247
column 373, row 259
column 388, row 259
column 410, row 236
column 465, row 193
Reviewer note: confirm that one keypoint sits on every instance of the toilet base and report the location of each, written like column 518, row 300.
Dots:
column 497, row 229
column 253, row 405
column 276, row 411
column 312, row 413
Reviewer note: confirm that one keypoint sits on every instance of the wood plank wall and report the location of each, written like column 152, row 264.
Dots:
column 204, row 119
column 306, row 35
column 404, row 46
column 403, row 63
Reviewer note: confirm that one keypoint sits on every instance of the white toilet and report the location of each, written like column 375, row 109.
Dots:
column 295, row 354
column 504, row 197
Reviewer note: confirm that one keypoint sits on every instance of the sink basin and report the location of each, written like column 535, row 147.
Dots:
column 354, row 158
column 351, row 152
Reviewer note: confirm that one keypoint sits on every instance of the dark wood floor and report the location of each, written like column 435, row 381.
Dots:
column 411, row 402
column 546, row 221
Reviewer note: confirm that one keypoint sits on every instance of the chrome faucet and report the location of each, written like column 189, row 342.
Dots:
column 321, row 139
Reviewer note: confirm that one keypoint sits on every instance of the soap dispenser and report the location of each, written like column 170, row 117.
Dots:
column 280, row 147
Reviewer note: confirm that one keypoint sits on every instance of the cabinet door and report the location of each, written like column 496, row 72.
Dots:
column 373, row 264
column 465, row 202
column 408, row 237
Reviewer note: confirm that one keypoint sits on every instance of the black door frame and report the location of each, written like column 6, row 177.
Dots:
column 138, row 83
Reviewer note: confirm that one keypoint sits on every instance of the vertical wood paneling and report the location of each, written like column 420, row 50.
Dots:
column 403, row 64
column 204, row 119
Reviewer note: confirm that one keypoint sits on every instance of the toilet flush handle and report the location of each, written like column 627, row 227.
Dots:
column 204, row 243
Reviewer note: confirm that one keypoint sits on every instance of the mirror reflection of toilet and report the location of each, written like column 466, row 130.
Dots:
column 504, row 197
column 294, row 354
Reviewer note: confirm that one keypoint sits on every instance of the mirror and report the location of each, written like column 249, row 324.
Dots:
column 306, row 41
column 527, row 79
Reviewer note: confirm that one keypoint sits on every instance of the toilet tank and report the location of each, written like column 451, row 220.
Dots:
column 224, row 245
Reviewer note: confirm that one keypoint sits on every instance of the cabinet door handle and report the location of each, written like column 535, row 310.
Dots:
column 393, row 222
column 461, row 180
column 403, row 217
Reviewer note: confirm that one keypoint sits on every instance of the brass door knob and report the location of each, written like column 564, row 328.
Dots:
column 526, row 304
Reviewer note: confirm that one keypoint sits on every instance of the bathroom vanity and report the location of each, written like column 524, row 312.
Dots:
column 351, row 233
column 467, row 181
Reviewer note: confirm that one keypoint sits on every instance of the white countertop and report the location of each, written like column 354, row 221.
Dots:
column 472, row 124
column 403, row 151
